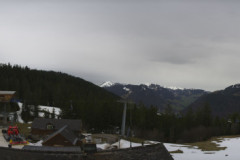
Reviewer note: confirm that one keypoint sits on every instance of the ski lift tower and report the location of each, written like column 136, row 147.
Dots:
column 5, row 98
column 125, row 102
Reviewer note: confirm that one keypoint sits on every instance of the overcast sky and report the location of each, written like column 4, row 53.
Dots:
column 183, row 43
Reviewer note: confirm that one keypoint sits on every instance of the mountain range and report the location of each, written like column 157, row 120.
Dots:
column 155, row 95
column 63, row 90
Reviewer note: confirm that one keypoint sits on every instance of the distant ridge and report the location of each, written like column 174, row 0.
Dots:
column 156, row 95
column 222, row 102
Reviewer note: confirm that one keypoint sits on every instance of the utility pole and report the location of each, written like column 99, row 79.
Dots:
column 124, row 101
column 124, row 119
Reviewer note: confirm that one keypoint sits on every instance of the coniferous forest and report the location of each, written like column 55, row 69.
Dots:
column 100, row 110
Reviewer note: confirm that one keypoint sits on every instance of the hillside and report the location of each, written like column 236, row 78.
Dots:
column 155, row 95
column 223, row 102
column 37, row 87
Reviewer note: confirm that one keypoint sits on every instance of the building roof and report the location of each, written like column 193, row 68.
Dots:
column 41, row 123
column 7, row 92
column 52, row 149
column 66, row 133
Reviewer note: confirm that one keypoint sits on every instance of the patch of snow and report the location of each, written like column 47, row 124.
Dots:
column 50, row 110
column 41, row 114
column 19, row 118
column 39, row 143
column 174, row 88
column 126, row 89
column 230, row 153
column 143, row 88
column 103, row 146
column 156, row 86
column 236, row 86
column 107, row 84
column 151, row 142
column 147, row 84
column 125, row 144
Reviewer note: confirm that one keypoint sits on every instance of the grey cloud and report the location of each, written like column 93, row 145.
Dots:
column 180, row 53
column 167, row 42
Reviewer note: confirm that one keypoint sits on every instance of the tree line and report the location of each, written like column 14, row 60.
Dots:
column 190, row 126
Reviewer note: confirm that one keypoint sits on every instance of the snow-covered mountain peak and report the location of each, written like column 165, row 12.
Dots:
column 147, row 84
column 236, row 86
column 107, row 84
column 174, row 88
column 156, row 86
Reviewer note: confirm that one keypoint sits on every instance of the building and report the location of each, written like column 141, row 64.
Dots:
column 6, row 96
column 63, row 137
column 43, row 126
column 5, row 99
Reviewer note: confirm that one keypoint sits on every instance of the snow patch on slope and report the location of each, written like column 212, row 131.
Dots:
column 190, row 153
column 39, row 143
column 236, row 86
column 126, row 89
column 156, row 86
column 124, row 144
column 107, row 84
column 19, row 118
column 49, row 110
column 174, row 88
column 41, row 114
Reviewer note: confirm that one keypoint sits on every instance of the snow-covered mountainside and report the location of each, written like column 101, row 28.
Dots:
column 235, row 86
column 42, row 109
column 19, row 112
column 156, row 95
column 50, row 110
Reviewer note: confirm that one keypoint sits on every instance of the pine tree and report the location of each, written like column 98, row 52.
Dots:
column 36, row 111
column 53, row 114
column 46, row 114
